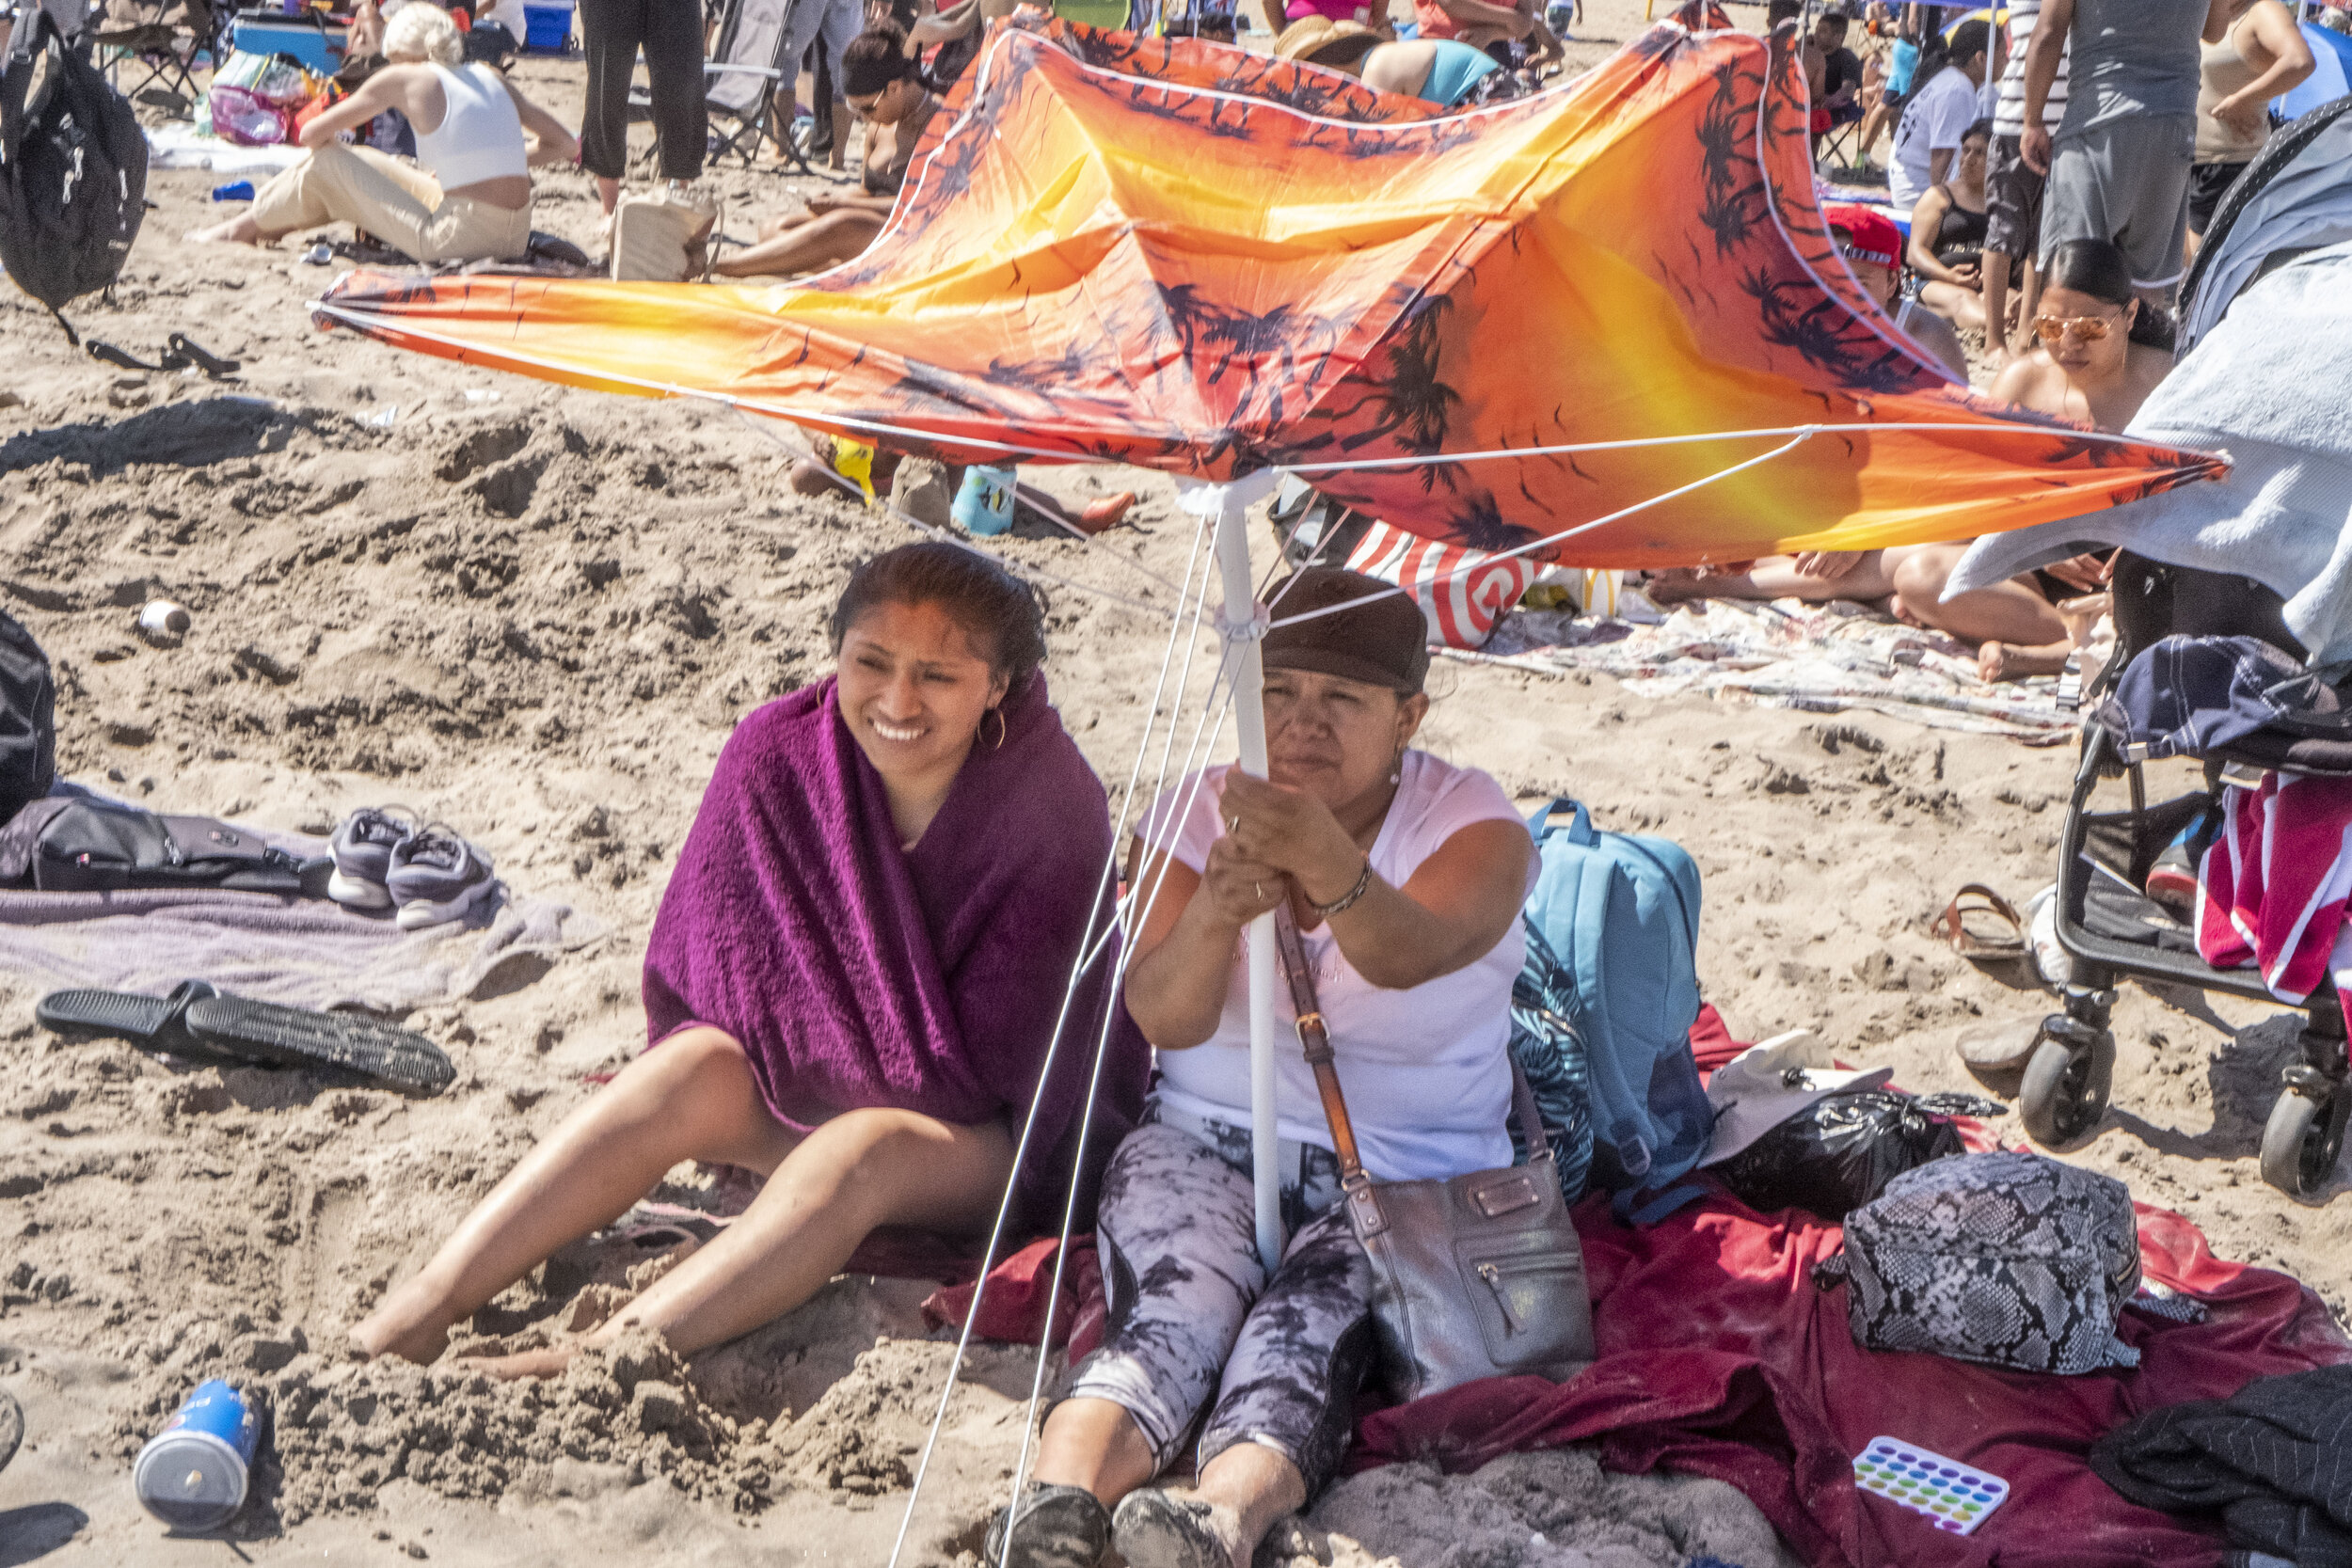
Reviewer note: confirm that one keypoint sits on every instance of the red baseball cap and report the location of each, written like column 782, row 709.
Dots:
column 1870, row 234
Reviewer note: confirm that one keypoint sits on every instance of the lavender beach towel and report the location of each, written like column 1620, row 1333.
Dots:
column 300, row 952
column 858, row 975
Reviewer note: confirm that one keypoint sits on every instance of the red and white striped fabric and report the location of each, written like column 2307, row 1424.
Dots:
column 2273, row 889
column 1463, row 591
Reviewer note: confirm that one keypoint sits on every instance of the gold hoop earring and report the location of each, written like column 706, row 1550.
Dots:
column 998, row 714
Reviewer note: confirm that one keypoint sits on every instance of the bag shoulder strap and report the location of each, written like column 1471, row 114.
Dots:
column 1314, row 1041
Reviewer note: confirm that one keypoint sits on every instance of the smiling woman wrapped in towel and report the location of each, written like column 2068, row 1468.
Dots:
column 852, row 984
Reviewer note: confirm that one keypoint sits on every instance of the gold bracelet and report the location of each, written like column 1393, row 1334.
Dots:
column 1346, row 900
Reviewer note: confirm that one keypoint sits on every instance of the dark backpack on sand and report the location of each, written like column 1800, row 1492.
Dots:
column 28, row 720
column 72, row 173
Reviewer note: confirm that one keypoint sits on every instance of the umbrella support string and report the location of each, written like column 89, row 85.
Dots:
column 1088, row 956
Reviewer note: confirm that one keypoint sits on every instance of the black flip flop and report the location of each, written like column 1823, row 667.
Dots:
column 267, row 1035
column 195, row 1021
column 125, row 357
column 150, row 1022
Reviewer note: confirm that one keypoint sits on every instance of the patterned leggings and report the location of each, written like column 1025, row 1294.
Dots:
column 1193, row 1314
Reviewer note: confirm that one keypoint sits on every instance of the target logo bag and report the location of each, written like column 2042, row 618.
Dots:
column 1462, row 592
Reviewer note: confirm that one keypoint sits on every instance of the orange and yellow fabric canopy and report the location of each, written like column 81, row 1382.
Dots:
column 1609, row 311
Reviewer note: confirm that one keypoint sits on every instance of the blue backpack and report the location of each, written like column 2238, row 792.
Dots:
column 1602, row 1010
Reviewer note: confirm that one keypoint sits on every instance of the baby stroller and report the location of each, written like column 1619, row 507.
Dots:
column 2111, row 929
column 2105, row 920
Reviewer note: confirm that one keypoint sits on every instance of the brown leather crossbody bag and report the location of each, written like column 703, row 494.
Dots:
column 1473, row 1276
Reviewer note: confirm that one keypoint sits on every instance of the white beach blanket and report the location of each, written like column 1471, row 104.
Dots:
column 183, row 145
column 1820, row 657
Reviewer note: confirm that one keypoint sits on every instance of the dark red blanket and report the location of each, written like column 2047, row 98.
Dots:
column 1719, row 1358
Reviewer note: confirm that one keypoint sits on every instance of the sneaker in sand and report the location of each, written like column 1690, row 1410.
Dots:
column 663, row 237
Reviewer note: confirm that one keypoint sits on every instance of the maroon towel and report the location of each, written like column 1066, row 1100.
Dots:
column 1719, row 1356
column 856, row 974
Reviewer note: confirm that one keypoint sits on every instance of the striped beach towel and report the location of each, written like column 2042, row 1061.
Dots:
column 2273, row 889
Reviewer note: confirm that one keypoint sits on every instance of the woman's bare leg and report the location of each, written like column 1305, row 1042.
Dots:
column 822, row 242
column 2011, row 619
column 1258, row 1486
column 1094, row 1443
column 1962, row 308
column 240, row 229
column 690, row 1098
column 1775, row 576
column 860, row 1170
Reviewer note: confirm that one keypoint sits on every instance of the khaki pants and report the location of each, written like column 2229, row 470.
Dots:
column 399, row 203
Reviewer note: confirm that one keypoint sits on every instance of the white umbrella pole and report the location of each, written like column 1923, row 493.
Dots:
column 1241, row 608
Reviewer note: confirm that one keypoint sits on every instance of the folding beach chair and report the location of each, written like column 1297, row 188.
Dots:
column 160, row 41
column 739, row 81
column 1841, row 144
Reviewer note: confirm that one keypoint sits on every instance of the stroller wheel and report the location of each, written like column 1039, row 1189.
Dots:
column 2302, row 1141
column 2064, row 1093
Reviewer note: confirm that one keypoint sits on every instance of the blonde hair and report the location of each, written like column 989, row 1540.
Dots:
column 421, row 30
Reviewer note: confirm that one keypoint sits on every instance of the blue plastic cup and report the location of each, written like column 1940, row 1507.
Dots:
column 192, row 1475
column 984, row 505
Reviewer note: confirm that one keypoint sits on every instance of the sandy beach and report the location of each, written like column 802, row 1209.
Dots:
column 536, row 614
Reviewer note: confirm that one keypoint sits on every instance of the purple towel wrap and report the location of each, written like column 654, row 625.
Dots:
column 856, row 974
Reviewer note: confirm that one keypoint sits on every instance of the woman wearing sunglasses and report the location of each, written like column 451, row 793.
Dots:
column 884, row 87
column 2096, row 357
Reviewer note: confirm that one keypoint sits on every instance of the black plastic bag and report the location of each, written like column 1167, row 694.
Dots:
column 1840, row 1152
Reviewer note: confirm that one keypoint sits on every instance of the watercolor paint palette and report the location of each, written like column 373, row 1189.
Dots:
column 1948, row 1494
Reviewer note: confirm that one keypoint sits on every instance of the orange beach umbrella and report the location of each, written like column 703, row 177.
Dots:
column 1605, row 321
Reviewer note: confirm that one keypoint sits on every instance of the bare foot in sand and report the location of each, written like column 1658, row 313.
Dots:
column 2007, row 661
column 550, row 1362
column 404, row 1325
column 237, row 231
column 1675, row 584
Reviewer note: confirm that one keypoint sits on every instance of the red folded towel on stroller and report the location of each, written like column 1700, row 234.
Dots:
column 2272, row 889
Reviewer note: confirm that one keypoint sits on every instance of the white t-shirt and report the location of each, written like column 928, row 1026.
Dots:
column 1933, row 121
column 1427, row 1070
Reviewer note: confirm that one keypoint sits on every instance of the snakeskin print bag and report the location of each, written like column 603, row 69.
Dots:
column 2011, row 1259
column 1480, row 1275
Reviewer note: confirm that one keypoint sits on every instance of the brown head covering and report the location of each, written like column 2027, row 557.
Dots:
column 1382, row 643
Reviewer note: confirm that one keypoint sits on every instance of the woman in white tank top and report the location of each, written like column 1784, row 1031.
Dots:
column 467, row 197
column 1405, row 876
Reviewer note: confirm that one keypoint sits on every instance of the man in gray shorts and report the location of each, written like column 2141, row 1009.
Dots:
column 2119, row 165
column 830, row 25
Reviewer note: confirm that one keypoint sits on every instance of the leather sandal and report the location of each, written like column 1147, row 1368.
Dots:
column 1981, row 925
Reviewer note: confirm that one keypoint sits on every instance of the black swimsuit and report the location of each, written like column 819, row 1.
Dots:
column 1960, row 238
